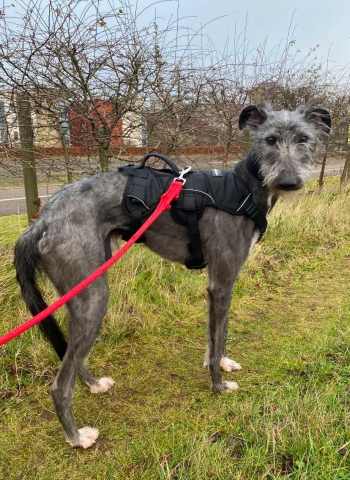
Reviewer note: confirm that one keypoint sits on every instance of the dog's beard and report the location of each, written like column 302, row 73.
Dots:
column 287, row 194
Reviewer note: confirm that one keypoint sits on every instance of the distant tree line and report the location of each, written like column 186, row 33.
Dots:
column 105, row 78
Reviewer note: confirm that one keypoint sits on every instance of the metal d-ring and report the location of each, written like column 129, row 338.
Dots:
column 183, row 172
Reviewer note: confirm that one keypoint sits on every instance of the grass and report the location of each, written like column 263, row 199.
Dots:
column 289, row 327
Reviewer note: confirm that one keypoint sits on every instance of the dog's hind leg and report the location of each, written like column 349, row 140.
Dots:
column 86, row 312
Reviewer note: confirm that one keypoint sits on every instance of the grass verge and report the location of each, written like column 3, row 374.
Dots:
column 289, row 327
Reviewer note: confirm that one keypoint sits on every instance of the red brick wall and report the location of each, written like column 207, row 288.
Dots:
column 81, row 129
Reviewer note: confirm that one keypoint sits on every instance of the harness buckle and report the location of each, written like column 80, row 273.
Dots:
column 252, row 210
column 181, row 178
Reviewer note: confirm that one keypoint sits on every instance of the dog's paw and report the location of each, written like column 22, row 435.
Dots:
column 103, row 384
column 229, row 386
column 225, row 387
column 87, row 437
column 229, row 365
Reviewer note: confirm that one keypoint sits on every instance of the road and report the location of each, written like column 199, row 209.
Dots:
column 12, row 200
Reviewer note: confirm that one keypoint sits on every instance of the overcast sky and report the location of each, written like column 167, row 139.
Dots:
column 317, row 22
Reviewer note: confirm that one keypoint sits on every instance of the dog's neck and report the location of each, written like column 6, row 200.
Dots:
column 252, row 165
column 248, row 172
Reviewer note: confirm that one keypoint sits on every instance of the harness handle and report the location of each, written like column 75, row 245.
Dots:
column 165, row 159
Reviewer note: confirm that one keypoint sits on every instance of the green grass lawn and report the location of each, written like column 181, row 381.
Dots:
column 289, row 328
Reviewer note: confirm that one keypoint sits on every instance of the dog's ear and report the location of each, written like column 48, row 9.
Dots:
column 319, row 116
column 253, row 116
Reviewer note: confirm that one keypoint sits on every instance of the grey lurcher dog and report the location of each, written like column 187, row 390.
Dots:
column 67, row 243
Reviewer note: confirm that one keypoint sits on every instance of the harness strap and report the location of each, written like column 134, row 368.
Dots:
column 253, row 212
column 125, row 232
column 196, row 258
column 108, row 250
column 135, row 223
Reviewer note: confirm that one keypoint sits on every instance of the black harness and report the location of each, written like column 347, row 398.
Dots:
column 207, row 188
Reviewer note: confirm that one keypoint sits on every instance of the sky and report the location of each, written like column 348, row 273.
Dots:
column 315, row 22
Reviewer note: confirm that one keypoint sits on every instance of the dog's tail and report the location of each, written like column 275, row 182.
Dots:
column 26, row 260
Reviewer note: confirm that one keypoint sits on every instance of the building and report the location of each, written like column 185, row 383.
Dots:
column 81, row 128
column 70, row 126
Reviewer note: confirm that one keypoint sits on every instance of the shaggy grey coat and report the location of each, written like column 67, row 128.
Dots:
column 67, row 243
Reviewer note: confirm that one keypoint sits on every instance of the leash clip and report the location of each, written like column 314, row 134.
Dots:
column 181, row 178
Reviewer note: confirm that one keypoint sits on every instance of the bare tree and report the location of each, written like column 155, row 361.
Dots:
column 111, row 73
column 345, row 177
column 98, row 63
column 27, row 155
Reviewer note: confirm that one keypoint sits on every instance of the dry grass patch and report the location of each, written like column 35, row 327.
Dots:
column 289, row 327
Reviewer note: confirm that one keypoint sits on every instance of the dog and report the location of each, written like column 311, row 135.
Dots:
column 67, row 240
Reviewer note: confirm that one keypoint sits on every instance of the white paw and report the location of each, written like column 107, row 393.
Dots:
column 87, row 437
column 104, row 384
column 229, row 365
column 231, row 386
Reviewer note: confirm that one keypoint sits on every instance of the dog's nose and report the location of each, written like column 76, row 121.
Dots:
column 287, row 181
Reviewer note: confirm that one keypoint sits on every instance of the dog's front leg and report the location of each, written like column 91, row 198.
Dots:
column 219, row 296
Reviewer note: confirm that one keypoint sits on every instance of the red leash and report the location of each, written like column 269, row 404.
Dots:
column 164, row 204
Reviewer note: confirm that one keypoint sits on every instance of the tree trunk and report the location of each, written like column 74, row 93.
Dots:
column 103, row 138
column 103, row 154
column 27, row 155
column 323, row 168
column 247, row 142
column 228, row 143
column 65, row 152
column 345, row 176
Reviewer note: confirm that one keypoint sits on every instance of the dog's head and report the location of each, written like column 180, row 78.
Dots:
column 285, row 142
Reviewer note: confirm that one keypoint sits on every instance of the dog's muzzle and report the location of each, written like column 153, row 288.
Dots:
column 288, row 181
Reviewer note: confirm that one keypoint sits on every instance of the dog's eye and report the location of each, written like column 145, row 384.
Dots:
column 271, row 141
column 303, row 139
